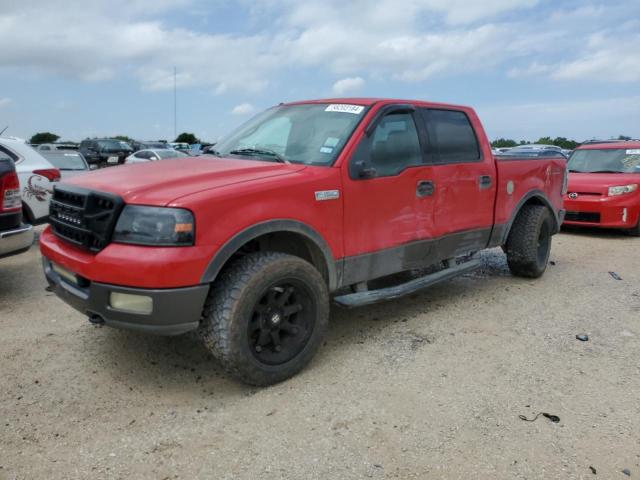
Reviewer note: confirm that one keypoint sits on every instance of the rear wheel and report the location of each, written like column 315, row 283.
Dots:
column 265, row 317
column 529, row 243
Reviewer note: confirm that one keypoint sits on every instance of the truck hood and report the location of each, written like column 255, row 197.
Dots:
column 161, row 182
column 599, row 182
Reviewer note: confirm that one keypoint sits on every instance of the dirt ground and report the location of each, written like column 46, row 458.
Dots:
column 430, row 386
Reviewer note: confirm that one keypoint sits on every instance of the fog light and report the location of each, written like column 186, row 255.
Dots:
column 131, row 303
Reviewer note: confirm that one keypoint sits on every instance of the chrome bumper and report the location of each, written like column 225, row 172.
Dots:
column 16, row 240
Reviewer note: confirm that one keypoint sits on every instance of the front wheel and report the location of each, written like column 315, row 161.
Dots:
column 529, row 243
column 265, row 317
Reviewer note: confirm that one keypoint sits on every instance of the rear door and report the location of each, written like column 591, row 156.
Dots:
column 464, row 178
column 386, row 202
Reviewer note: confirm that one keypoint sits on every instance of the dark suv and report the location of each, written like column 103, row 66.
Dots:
column 105, row 151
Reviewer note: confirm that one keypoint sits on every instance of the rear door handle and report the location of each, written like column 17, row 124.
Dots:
column 484, row 181
column 425, row 188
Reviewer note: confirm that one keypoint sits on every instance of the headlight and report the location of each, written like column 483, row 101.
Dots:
column 622, row 189
column 157, row 226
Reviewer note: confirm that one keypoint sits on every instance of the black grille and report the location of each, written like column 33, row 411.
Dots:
column 587, row 217
column 84, row 217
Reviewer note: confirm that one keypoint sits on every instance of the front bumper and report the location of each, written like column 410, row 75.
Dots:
column 174, row 311
column 16, row 240
column 602, row 211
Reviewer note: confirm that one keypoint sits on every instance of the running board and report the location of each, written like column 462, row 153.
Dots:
column 359, row 299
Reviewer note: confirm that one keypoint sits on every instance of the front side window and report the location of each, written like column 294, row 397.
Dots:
column 394, row 145
column 312, row 134
column 451, row 137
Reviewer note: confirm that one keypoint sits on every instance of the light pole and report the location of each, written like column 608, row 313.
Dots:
column 175, row 106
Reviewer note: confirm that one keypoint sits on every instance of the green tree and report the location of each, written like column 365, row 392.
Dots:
column 44, row 137
column 623, row 137
column 123, row 138
column 503, row 143
column 186, row 137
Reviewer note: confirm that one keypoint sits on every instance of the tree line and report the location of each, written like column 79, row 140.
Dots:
column 190, row 138
column 48, row 137
column 561, row 142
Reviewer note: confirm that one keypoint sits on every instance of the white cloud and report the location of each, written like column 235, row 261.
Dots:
column 347, row 85
column 4, row 102
column 243, row 109
column 409, row 41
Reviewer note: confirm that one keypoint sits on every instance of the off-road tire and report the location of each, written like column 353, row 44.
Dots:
column 529, row 242
column 230, row 307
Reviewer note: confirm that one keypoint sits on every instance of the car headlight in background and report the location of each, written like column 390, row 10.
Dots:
column 622, row 189
column 156, row 226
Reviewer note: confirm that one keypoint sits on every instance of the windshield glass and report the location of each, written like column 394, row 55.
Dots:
column 616, row 160
column 113, row 145
column 65, row 161
column 312, row 134
column 163, row 154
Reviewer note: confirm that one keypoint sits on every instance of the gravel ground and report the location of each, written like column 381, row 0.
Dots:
column 430, row 386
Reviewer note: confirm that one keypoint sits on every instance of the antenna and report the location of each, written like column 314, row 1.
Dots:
column 175, row 106
column 3, row 130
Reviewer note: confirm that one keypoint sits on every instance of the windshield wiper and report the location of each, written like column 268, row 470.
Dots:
column 576, row 171
column 606, row 171
column 259, row 152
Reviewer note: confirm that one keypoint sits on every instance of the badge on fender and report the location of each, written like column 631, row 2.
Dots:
column 327, row 195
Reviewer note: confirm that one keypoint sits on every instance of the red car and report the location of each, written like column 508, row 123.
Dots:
column 604, row 186
column 307, row 200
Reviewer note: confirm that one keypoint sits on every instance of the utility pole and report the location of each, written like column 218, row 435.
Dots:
column 175, row 106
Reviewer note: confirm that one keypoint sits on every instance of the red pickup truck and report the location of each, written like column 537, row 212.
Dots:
column 604, row 186
column 305, row 201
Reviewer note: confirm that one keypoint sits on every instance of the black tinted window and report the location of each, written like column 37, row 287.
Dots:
column 6, row 154
column 451, row 137
column 394, row 145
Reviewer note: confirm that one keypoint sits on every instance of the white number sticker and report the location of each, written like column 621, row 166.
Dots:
column 344, row 108
column 635, row 151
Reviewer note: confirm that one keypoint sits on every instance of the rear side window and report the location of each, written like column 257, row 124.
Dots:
column 451, row 138
column 7, row 155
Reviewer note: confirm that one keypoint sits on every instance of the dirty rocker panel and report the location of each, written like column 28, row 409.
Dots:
column 418, row 254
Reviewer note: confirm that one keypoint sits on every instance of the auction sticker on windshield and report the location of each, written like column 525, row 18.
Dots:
column 635, row 151
column 344, row 108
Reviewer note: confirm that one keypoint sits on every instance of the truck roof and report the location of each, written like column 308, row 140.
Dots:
column 611, row 145
column 368, row 101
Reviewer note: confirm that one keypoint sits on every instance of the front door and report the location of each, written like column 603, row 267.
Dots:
column 387, row 200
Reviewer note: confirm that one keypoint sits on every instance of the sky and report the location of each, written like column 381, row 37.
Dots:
column 530, row 68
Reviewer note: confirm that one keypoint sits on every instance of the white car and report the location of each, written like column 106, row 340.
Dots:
column 180, row 145
column 151, row 155
column 37, row 178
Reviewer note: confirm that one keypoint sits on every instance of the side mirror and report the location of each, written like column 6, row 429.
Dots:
column 363, row 170
column 93, row 166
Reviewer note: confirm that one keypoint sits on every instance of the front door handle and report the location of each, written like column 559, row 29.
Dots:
column 425, row 188
column 484, row 181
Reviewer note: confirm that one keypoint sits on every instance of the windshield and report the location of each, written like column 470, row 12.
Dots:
column 65, row 161
column 312, row 134
column 163, row 154
column 113, row 145
column 614, row 160
column 155, row 145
